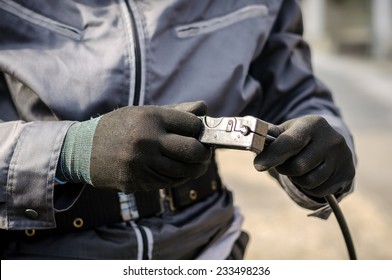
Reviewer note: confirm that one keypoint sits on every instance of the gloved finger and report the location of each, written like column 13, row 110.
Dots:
column 163, row 172
column 158, row 180
column 281, row 149
column 302, row 163
column 325, row 189
column 174, row 170
column 182, row 123
column 314, row 178
column 327, row 179
column 185, row 149
column 199, row 108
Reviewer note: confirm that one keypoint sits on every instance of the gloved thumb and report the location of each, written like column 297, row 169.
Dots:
column 262, row 161
column 199, row 108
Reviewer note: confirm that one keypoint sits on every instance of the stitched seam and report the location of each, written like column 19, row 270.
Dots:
column 142, row 31
column 53, row 162
column 40, row 20
column 12, row 168
column 129, row 56
column 207, row 26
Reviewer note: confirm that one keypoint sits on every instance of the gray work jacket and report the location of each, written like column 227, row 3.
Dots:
column 67, row 61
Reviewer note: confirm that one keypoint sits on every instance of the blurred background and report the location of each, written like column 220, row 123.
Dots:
column 351, row 43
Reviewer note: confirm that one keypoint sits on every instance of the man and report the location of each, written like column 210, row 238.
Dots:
column 99, row 103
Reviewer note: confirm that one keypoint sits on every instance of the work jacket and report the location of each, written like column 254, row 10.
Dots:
column 68, row 61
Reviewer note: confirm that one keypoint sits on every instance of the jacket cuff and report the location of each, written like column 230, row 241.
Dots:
column 321, row 210
column 31, row 173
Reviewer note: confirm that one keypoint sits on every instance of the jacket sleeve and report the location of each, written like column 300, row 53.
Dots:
column 29, row 153
column 290, row 88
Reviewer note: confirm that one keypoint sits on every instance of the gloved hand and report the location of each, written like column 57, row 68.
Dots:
column 312, row 154
column 146, row 147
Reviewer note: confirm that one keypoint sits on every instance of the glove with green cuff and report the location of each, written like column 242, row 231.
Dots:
column 136, row 148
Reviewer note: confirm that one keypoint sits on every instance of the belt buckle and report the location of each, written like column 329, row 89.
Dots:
column 167, row 197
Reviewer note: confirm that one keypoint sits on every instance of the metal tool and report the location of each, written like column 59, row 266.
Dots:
column 241, row 133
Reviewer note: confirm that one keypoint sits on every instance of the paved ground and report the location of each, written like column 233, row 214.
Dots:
column 279, row 228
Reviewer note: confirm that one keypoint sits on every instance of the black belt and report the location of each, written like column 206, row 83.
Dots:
column 97, row 207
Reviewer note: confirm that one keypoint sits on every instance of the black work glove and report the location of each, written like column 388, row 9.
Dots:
column 312, row 154
column 147, row 147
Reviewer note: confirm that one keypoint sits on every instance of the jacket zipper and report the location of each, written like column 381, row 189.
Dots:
column 137, row 57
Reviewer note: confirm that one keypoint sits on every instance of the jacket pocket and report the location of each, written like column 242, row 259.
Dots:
column 211, row 25
column 40, row 20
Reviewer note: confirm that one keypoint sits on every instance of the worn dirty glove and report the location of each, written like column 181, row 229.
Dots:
column 137, row 148
column 312, row 154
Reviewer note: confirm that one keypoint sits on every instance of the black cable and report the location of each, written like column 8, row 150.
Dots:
column 333, row 203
